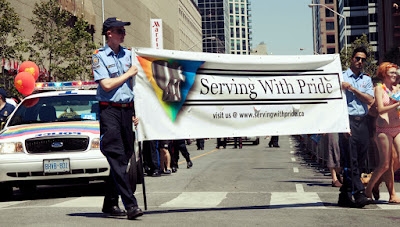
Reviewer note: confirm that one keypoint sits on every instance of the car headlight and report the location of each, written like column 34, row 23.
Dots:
column 95, row 144
column 11, row 147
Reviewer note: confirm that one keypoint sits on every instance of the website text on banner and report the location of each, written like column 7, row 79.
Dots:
column 181, row 95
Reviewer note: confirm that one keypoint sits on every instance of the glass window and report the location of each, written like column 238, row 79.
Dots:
column 330, row 25
column 243, row 33
column 244, row 44
column 329, row 13
column 243, row 21
column 231, row 8
column 237, row 20
column 328, row 1
column 330, row 38
column 237, row 32
column 56, row 109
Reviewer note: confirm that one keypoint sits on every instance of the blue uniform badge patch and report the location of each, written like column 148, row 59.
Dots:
column 95, row 62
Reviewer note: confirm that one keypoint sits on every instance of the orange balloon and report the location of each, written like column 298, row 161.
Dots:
column 30, row 67
column 24, row 83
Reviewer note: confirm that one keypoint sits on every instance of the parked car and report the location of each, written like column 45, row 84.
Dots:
column 51, row 138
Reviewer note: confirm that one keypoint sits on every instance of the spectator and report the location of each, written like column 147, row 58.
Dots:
column 238, row 141
column 164, row 146
column 221, row 142
column 274, row 141
column 180, row 146
column 334, row 159
column 200, row 144
column 151, row 158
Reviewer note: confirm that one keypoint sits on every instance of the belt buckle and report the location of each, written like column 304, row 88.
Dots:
column 357, row 118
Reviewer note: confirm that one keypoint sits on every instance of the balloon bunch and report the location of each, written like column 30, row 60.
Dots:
column 28, row 73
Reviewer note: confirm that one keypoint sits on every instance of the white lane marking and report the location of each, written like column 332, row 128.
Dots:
column 295, row 169
column 293, row 159
column 93, row 201
column 12, row 203
column 295, row 200
column 384, row 198
column 292, row 152
column 299, row 188
column 196, row 199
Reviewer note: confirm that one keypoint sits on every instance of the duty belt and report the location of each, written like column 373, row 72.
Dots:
column 123, row 105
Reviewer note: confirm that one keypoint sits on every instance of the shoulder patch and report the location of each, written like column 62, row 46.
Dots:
column 95, row 62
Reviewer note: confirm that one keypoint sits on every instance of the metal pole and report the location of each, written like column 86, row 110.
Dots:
column 345, row 34
column 102, row 8
column 142, row 175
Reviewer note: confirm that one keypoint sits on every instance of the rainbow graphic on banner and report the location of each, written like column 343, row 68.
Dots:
column 189, row 69
column 63, row 127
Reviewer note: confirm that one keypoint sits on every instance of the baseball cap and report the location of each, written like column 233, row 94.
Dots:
column 113, row 22
column 3, row 92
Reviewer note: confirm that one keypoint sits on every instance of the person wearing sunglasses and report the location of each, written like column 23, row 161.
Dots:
column 387, row 131
column 113, row 70
column 359, row 92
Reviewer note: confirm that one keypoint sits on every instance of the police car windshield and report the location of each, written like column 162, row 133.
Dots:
column 56, row 109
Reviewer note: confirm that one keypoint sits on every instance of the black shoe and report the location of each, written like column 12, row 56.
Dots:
column 156, row 173
column 134, row 212
column 174, row 169
column 275, row 145
column 270, row 144
column 189, row 164
column 113, row 211
column 362, row 201
column 344, row 201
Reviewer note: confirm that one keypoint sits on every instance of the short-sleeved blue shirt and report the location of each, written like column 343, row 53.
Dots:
column 362, row 83
column 107, row 64
column 6, row 111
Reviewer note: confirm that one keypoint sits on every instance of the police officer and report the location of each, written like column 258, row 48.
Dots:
column 113, row 70
column 5, row 108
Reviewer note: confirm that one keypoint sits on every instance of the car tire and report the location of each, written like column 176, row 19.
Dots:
column 257, row 141
column 6, row 192
column 27, row 189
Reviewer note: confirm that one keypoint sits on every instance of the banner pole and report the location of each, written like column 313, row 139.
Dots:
column 142, row 175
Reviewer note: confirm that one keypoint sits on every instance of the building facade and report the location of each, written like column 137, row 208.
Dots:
column 389, row 30
column 260, row 49
column 240, row 26
column 181, row 19
column 325, row 27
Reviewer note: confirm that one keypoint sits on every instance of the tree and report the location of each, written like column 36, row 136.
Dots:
column 81, row 51
column 370, row 67
column 51, row 37
column 12, row 44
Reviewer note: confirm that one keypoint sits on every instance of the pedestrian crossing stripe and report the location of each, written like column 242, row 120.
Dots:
column 278, row 200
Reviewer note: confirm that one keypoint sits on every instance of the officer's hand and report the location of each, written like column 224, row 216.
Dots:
column 135, row 121
column 346, row 86
column 132, row 71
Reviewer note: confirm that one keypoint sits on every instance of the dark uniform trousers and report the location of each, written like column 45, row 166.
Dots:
column 117, row 144
column 150, row 155
column 354, row 151
column 179, row 145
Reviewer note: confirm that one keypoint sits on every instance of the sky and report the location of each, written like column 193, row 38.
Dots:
column 284, row 25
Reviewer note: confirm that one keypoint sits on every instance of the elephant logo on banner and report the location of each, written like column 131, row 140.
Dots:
column 169, row 78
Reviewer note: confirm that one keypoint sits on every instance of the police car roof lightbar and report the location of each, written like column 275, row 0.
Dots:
column 70, row 85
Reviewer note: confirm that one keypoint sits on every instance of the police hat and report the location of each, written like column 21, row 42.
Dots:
column 3, row 92
column 113, row 22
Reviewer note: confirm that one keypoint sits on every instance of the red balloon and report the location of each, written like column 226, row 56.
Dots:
column 31, row 67
column 24, row 83
column 30, row 102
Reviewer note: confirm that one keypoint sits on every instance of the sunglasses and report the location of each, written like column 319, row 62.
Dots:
column 360, row 58
column 120, row 31
column 392, row 66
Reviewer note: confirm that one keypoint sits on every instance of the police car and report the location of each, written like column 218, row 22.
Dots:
column 52, row 137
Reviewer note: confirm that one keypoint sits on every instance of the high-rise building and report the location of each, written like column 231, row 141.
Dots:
column 215, row 22
column 325, row 27
column 240, row 26
column 260, row 49
column 389, row 29
column 361, row 18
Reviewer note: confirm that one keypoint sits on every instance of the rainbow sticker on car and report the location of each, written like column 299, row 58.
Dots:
column 52, row 129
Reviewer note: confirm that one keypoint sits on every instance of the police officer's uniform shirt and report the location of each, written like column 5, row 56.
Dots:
column 362, row 83
column 106, row 64
column 6, row 111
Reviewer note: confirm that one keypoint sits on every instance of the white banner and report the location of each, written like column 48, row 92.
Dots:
column 181, row 95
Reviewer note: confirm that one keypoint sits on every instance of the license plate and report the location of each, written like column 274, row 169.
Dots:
column 56, row 165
